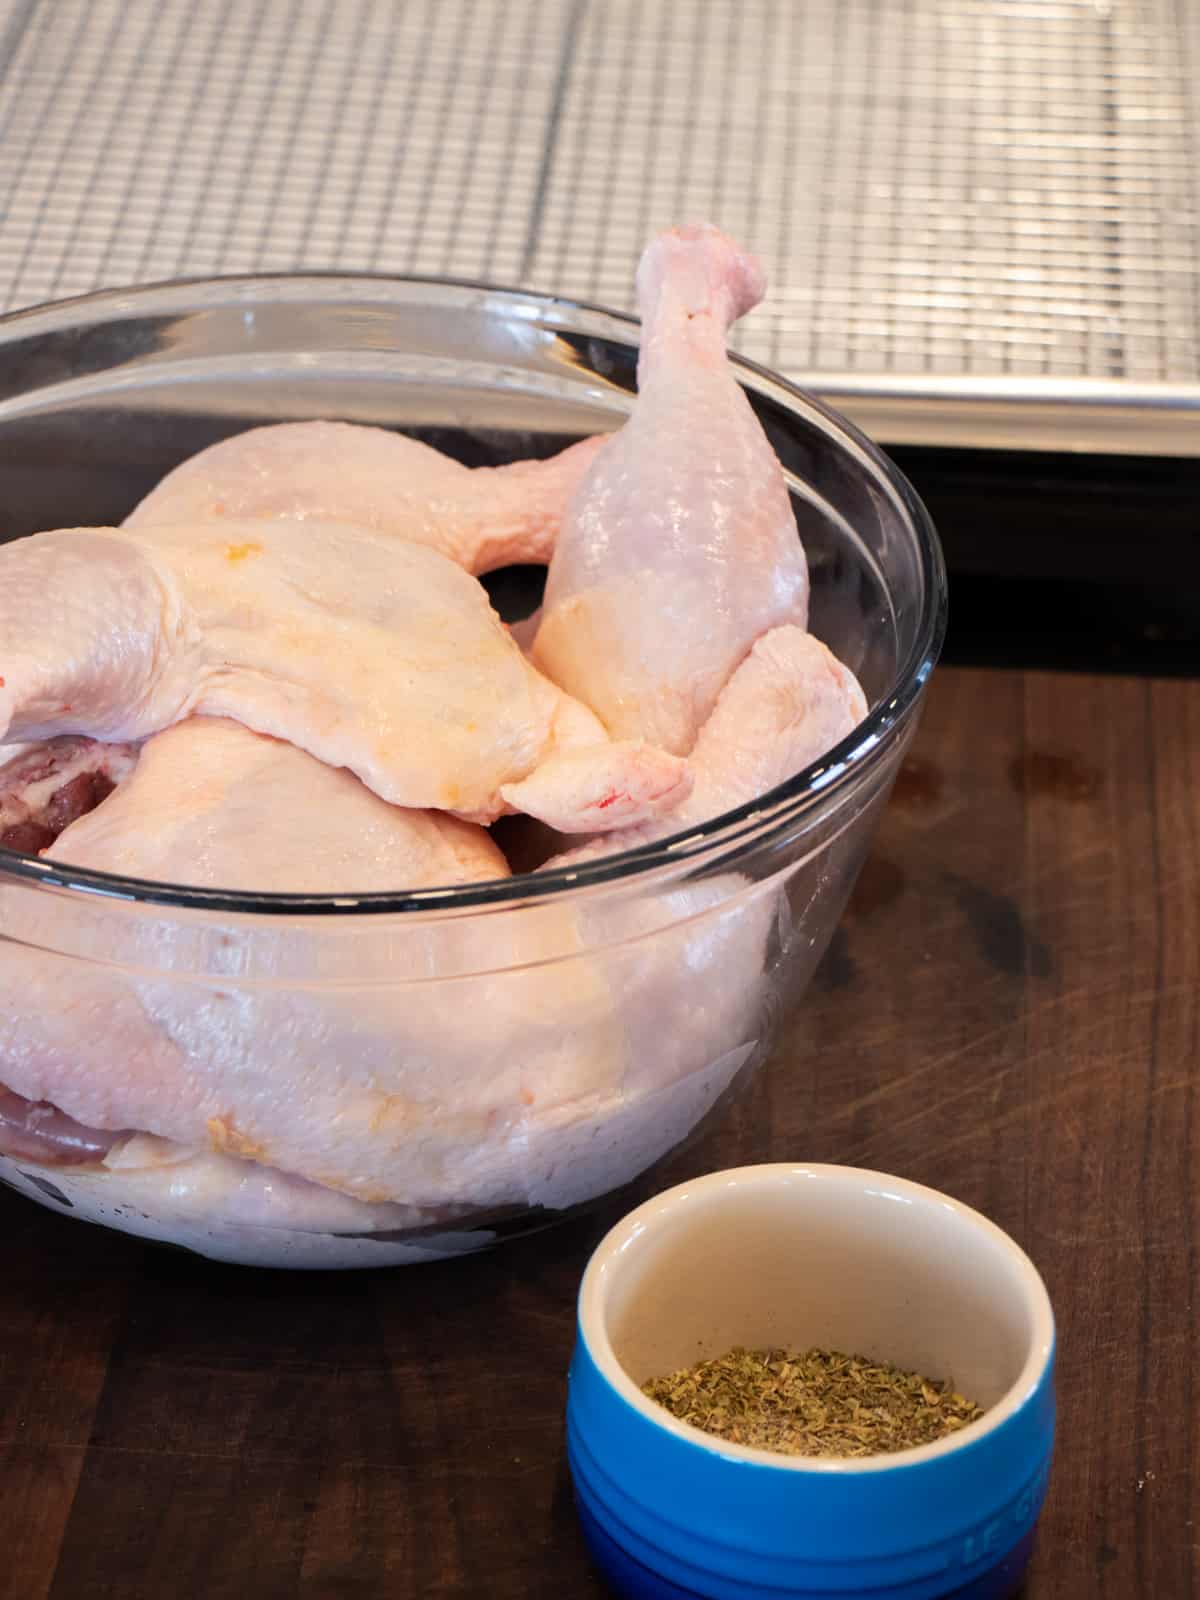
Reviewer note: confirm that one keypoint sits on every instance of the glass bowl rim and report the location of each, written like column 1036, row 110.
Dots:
column 765, row 816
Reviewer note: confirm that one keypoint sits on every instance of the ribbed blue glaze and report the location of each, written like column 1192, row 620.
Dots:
column 629, row 1578
column 703, row 1523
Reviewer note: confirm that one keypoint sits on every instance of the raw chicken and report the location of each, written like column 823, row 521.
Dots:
column 700, row 947
column 45, row 787
column 369, row 652
column 497, row 1065
column 679, row 548
column 563, row 1048
column 558, row 1039
column 214, row 806
column 482, row 517
column 688, row 967
column 530, row 1069
column 210, row 804
column 189, row 1191
column 789, row 702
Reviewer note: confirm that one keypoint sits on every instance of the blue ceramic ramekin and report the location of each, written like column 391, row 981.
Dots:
column 796, row 1256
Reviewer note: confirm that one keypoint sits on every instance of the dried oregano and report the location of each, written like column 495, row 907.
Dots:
column 819, row 1403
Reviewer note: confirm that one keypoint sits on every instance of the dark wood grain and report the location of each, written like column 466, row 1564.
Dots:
column 1009, row 1012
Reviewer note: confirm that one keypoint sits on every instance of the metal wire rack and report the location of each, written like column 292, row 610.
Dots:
column 981, row 218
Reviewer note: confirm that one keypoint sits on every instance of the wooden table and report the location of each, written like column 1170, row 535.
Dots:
column 1008, row 1013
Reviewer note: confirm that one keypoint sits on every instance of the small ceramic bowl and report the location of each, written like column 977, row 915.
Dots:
column 795, row 1256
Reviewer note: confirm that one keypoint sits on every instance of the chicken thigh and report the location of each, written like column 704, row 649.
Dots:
column 212, row 805
column 367, row 651
column 481, row 518
column 215, row 1071
column 789, row 702
column 679, row 547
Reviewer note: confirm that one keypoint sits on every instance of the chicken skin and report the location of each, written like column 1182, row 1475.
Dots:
column 481, row 518
column 679, row 547
column 212, row 805
column 369, row 652
column 789, row 702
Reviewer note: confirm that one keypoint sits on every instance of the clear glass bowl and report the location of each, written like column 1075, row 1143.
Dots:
column 525, row 1047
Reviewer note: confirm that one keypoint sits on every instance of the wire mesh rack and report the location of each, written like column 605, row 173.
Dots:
column 981, row 218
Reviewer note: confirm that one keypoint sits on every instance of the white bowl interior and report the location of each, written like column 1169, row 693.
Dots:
column 794, row 1257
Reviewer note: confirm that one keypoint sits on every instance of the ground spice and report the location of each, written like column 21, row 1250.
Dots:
column 819, row 1403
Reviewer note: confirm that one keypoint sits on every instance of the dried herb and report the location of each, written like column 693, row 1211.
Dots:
column 820, row 1403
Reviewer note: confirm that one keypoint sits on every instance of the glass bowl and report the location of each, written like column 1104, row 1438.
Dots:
column 522, row 1048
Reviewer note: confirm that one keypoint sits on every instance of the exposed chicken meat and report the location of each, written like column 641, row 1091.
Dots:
column 46, row 787
column 482, row 517
column 367, row 651
column 35, row 1131
column 215, row 806
column 679, row 548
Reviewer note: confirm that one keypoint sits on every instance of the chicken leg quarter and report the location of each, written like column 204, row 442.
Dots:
column 679, row 547
column 367, row 651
